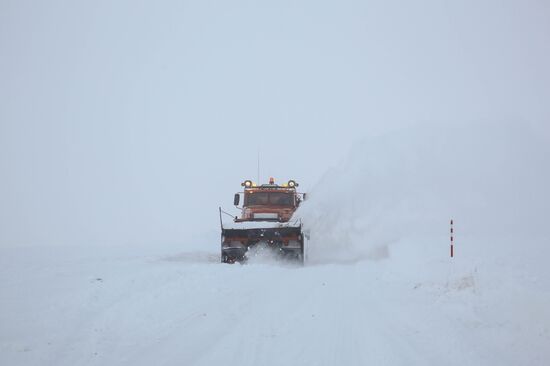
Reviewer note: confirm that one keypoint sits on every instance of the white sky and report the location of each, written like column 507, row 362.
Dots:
column 131, row 121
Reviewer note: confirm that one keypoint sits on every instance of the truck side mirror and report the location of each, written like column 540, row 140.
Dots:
column 236, row 199
column 304, row 196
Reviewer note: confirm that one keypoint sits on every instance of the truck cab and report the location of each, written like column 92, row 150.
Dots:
column 268, row 202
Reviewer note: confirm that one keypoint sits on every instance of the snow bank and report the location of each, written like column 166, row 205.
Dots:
column 491, row 178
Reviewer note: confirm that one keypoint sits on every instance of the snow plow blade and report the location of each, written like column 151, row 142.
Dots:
column 286, row 241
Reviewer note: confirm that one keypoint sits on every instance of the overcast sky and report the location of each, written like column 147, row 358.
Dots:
column 132, row 121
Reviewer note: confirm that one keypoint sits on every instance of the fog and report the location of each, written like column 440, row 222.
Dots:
column 131, row 122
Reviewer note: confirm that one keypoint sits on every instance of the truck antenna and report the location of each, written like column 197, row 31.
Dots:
column 258, row 165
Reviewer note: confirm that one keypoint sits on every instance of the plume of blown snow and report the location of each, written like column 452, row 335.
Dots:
column 491, row 178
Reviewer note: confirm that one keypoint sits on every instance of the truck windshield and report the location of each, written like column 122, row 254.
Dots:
column 268, row 199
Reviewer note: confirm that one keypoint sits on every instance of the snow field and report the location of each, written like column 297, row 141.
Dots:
column 378, row 286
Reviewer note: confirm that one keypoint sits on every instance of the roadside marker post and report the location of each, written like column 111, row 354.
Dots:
column 452, row 241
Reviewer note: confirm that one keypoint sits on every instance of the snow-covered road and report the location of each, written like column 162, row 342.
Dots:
column 117, row 306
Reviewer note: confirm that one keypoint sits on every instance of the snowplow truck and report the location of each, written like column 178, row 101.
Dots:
column 266, row 222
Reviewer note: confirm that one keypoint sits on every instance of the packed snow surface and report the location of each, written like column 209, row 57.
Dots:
column 122, row 306
column 378, row 287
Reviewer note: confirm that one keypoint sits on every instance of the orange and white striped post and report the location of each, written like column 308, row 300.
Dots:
column 452, row 241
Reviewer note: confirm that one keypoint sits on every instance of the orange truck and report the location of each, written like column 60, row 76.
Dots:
column 266, row 221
